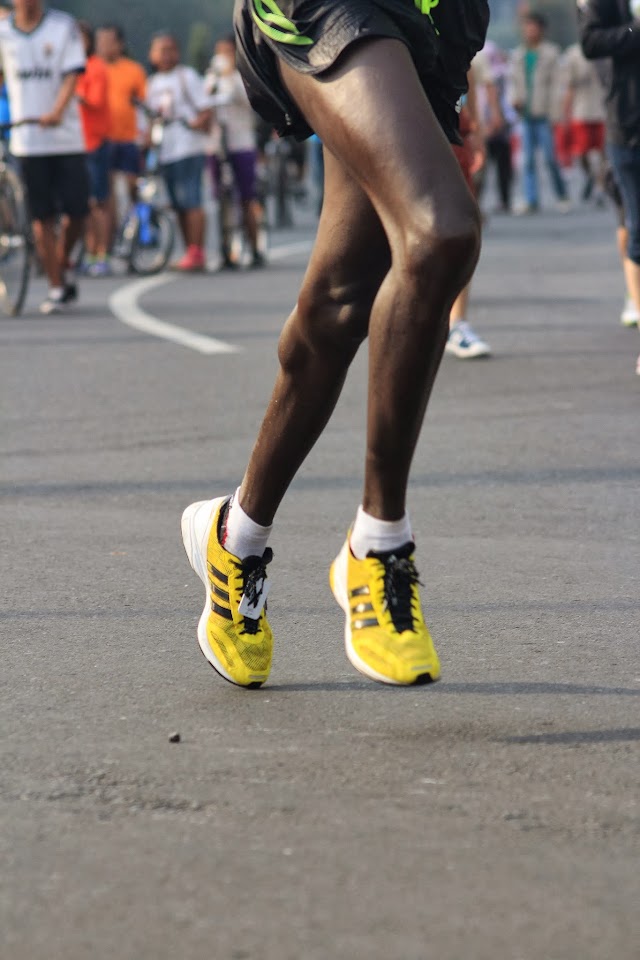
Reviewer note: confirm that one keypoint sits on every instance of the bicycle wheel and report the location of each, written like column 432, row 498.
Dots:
column 15, row 245
column 231, row 235
column 153, row 243
column 263, row 233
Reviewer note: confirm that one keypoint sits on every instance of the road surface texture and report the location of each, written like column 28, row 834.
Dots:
column 491, row 817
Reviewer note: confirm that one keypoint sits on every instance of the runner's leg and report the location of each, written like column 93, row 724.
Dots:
column 320, row 339
column 392, row 145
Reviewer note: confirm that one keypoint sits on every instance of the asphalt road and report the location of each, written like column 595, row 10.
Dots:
column 492, row 817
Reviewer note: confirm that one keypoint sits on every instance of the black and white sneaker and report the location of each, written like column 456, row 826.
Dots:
column 70, row 294
column 59, row 299
column 54, row 303
column 465, row 344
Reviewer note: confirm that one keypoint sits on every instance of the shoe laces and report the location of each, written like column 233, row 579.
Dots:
column 254, row 574
column 465, row 331
column 400, row 577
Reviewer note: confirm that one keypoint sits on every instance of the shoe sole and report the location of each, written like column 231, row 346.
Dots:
column 338, row 580
column 196, row 524
column 468, row 354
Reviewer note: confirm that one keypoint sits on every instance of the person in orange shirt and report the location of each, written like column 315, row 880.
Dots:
column 127, row 83
column 93, row 95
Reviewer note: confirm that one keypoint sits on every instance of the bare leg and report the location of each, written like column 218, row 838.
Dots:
column 69, row 234
column 193, row 222
column 632, row 276
column 46, row 238
column 250, row 213
column 459, row 308
column 100, row 227
column 90, row 234
column 622, row 236
column 320, row 339
column 392, row 146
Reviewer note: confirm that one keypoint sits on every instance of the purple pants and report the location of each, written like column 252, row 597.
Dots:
column 243, row 163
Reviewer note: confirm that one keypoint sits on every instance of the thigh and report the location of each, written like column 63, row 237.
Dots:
column 350, row 258
column 244, row 171
column 38, row 177
column 170, row 175
column 373, row 115
column 98, row 164
column 125, row 158
column 187, row 183
column 72, row 185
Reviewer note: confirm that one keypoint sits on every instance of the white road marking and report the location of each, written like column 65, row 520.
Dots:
column 124, row 305
column 290, row 250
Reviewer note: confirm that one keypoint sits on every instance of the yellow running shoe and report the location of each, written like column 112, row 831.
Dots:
column 233, row 632
column 385, row 634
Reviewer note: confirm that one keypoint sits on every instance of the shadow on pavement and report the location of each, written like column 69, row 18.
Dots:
column 485, row 689
column 622, row 735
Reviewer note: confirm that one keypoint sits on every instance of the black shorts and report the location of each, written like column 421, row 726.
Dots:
column 310, row 35
column 56, row 184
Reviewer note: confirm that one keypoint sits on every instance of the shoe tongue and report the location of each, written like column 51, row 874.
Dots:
column 401, row 553
column 251, row 563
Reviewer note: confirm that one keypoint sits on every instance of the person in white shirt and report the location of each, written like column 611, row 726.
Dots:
column 584, row 111
column 177, row 94
column 237, row 122
column 42, row 54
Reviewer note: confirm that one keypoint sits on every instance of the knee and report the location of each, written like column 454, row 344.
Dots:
column 332, row 317
column 441, row 247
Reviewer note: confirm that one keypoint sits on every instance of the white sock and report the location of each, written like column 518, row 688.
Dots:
column 369, row 534
column 56, row 293
column 242, row 536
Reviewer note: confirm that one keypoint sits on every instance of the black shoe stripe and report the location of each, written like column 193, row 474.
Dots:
column 222, row 611
column 360, row 592
column 217, row 574
column 360, row 624
column 219, row 592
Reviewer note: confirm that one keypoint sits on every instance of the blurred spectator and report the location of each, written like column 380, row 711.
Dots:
column 463, row 342
column 93, row 95
column 584, row 112
column 127, row 83
column 177, row 94
column 42, row 53
column 611, row 29
column 489, row 72
column 236, row 119
column 534, row 78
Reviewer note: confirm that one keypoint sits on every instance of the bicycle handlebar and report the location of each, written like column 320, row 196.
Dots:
column 156, row 116
column 6, row 127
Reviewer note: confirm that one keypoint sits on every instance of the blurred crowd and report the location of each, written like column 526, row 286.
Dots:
column 535, row 103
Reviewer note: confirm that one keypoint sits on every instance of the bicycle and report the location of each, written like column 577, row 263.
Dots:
column 282, row 182
column 16, row 240
column 146, row 236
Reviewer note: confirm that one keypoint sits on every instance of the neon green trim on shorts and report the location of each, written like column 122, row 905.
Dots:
column 426, row 6
column 272, row 22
